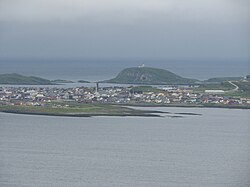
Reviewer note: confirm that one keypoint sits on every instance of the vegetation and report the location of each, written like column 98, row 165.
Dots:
column 17, row 79
column 77, row 110
column 243, row 86
column 238, row 94
column 223, row 79
column 147, row 76
column 221, row 86
column 60, row 81
column 244, row 89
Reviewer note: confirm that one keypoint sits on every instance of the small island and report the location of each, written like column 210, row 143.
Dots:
column 149, row 76
column 83, row 81
column 61, row 81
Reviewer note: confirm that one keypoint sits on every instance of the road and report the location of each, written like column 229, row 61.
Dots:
column 236, row 87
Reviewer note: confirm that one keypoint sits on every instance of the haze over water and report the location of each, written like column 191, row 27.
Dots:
column 102, row 69
column 208, row 150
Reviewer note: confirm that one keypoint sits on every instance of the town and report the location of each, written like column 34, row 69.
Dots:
column 133, row 95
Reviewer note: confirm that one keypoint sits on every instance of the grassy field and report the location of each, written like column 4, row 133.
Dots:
column 80, row 110
column 244, row 90
column 238, row 94
column 221, row 86
column 224, row 79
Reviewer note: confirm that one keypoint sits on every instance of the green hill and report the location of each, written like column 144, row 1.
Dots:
column 147, row 75
column 223, row 79
column 16, row 79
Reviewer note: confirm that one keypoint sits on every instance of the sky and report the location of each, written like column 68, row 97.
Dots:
column 149, row 29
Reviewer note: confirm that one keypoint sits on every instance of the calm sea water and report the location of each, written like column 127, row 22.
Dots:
column 96, row 70
column 208, row 150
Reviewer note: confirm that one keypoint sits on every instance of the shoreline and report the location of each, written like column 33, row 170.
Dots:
column 185, row 106
column 82, row 115
column 84, row 111
column 135, row 113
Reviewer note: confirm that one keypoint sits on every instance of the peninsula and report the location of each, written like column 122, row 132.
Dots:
column 17, row 79
column 77, row 110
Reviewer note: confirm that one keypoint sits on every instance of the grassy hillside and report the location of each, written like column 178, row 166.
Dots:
column 223, row 79
column 243, row 86
column 147, row 75
column 244, row 89
column 17, row 79
column 221, row 86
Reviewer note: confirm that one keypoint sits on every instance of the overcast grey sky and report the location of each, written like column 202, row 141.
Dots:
column 160, row 29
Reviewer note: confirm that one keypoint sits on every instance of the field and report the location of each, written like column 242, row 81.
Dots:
column 77, row 110
column 226, row 86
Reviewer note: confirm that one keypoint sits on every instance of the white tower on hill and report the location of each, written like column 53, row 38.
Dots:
column 141, row 66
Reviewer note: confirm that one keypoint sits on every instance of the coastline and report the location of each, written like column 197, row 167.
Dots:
column 81, row 115
column 129, row 112
column 188, row 106
column 83, row 111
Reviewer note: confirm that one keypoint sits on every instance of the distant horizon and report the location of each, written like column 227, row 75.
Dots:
column 102, row 69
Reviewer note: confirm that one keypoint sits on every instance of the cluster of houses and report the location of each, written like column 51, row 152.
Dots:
column 117, row 95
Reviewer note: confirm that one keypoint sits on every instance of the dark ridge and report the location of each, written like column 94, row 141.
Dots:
column 16, row 79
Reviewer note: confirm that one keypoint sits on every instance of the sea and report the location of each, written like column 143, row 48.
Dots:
column 210, row 149
column 104, row 69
